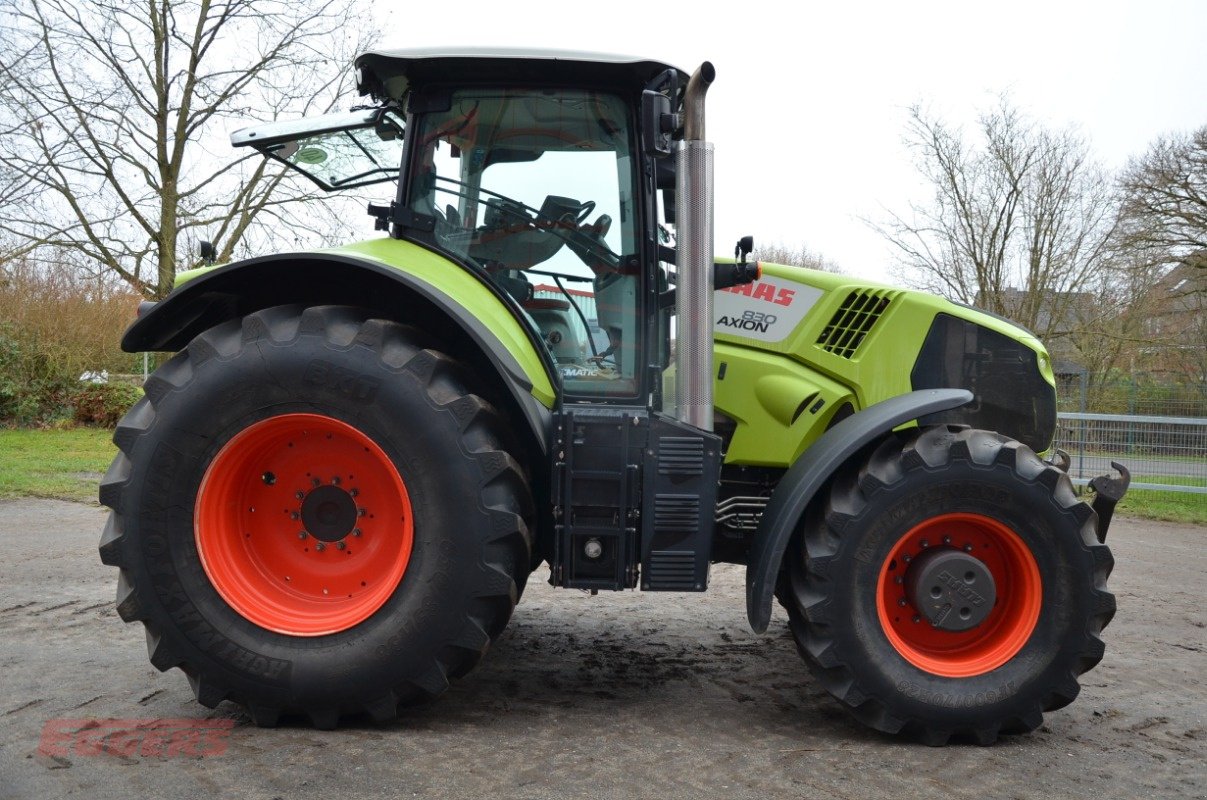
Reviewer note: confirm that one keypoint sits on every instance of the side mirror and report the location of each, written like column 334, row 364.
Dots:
column 657, row 124
column 208, row 253
column 743, row 248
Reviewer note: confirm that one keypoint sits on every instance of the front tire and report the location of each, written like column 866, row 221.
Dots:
column 978, row 499
column 313, row 516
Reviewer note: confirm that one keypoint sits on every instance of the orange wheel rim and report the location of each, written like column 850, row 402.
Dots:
column 303, row 525
column 1004, row 631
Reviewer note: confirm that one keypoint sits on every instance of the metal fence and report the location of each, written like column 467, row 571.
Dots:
column 1131, row 395
column 1167, row 454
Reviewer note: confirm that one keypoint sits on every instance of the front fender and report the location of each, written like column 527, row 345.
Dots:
column 800, row 483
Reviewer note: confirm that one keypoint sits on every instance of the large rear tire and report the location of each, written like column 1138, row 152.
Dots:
column 990, row 505
column 313, row 516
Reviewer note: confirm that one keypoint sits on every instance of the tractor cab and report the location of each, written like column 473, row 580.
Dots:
column 530, row 173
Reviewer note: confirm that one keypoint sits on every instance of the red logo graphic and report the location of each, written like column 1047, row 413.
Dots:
column 153, row 738
column 764, row 291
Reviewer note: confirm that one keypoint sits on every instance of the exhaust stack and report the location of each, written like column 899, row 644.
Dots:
column 693, row 294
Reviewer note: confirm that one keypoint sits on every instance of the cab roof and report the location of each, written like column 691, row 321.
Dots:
column 388, row 74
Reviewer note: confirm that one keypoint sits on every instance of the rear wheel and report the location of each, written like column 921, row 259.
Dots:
column 313, row 516
column 952, row 585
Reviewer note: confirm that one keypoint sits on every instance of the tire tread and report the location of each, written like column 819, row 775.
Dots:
column 505, row 554
column 809, row 564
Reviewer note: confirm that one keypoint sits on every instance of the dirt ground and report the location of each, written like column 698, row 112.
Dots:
column 620, row 695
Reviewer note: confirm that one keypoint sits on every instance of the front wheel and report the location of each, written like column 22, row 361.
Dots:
column 952, row 585
column 313, row 516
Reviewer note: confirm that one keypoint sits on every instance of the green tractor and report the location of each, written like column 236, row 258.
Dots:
column 331, row 497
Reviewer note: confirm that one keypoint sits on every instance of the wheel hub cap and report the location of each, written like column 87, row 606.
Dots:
column 953, row 590
column 329, row 513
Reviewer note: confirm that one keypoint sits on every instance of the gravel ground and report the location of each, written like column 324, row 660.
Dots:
column 620, row 695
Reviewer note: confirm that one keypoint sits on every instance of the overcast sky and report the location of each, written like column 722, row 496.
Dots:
column 810, row 104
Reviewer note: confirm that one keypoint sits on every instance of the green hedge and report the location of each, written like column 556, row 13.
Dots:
column 37, row 389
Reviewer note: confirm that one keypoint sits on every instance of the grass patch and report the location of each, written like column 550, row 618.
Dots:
column 63, row 464
column 1172, row 506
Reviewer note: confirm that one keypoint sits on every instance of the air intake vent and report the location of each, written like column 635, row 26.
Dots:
column 851, row 323
column 680, row 455
column 673, row 570
column 676, row 512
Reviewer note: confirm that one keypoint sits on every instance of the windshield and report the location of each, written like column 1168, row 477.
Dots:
column 537, row 188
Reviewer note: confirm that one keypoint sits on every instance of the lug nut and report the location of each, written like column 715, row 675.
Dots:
column 924, row 543
column 335, row 481
column 967, row 548
column 340, row 545
column 320, row 546
column 902, row 602
column 299, row 495
column 302, row 534
column 360, row 512
column 354, row 492
column 356, row 531
column 946, row 540
column 315, row 482
column 917, row 618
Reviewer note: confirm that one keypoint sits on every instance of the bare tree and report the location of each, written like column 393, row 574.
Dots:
column 1115, row 329
column 1165, row 197
column 113, row 118
column 795, row 256
column 1163, row 223
column 1019, row 220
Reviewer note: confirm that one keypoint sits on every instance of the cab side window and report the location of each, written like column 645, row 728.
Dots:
column 537, row 188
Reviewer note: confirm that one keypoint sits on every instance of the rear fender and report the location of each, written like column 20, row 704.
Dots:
column 423, row 290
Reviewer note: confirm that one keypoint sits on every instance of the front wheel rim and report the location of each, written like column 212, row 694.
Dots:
column 303, row 525
column 1008, row 626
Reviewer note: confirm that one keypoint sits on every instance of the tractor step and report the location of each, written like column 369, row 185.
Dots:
column 634, row 495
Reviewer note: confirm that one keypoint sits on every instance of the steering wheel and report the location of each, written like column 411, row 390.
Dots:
column 591, row 250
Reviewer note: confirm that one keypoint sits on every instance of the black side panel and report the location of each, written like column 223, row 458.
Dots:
column 810, row 472
column 597, row 456
column 682, row 468
column 1010, row 395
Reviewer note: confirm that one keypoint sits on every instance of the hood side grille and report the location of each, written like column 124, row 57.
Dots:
column 852, row 322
